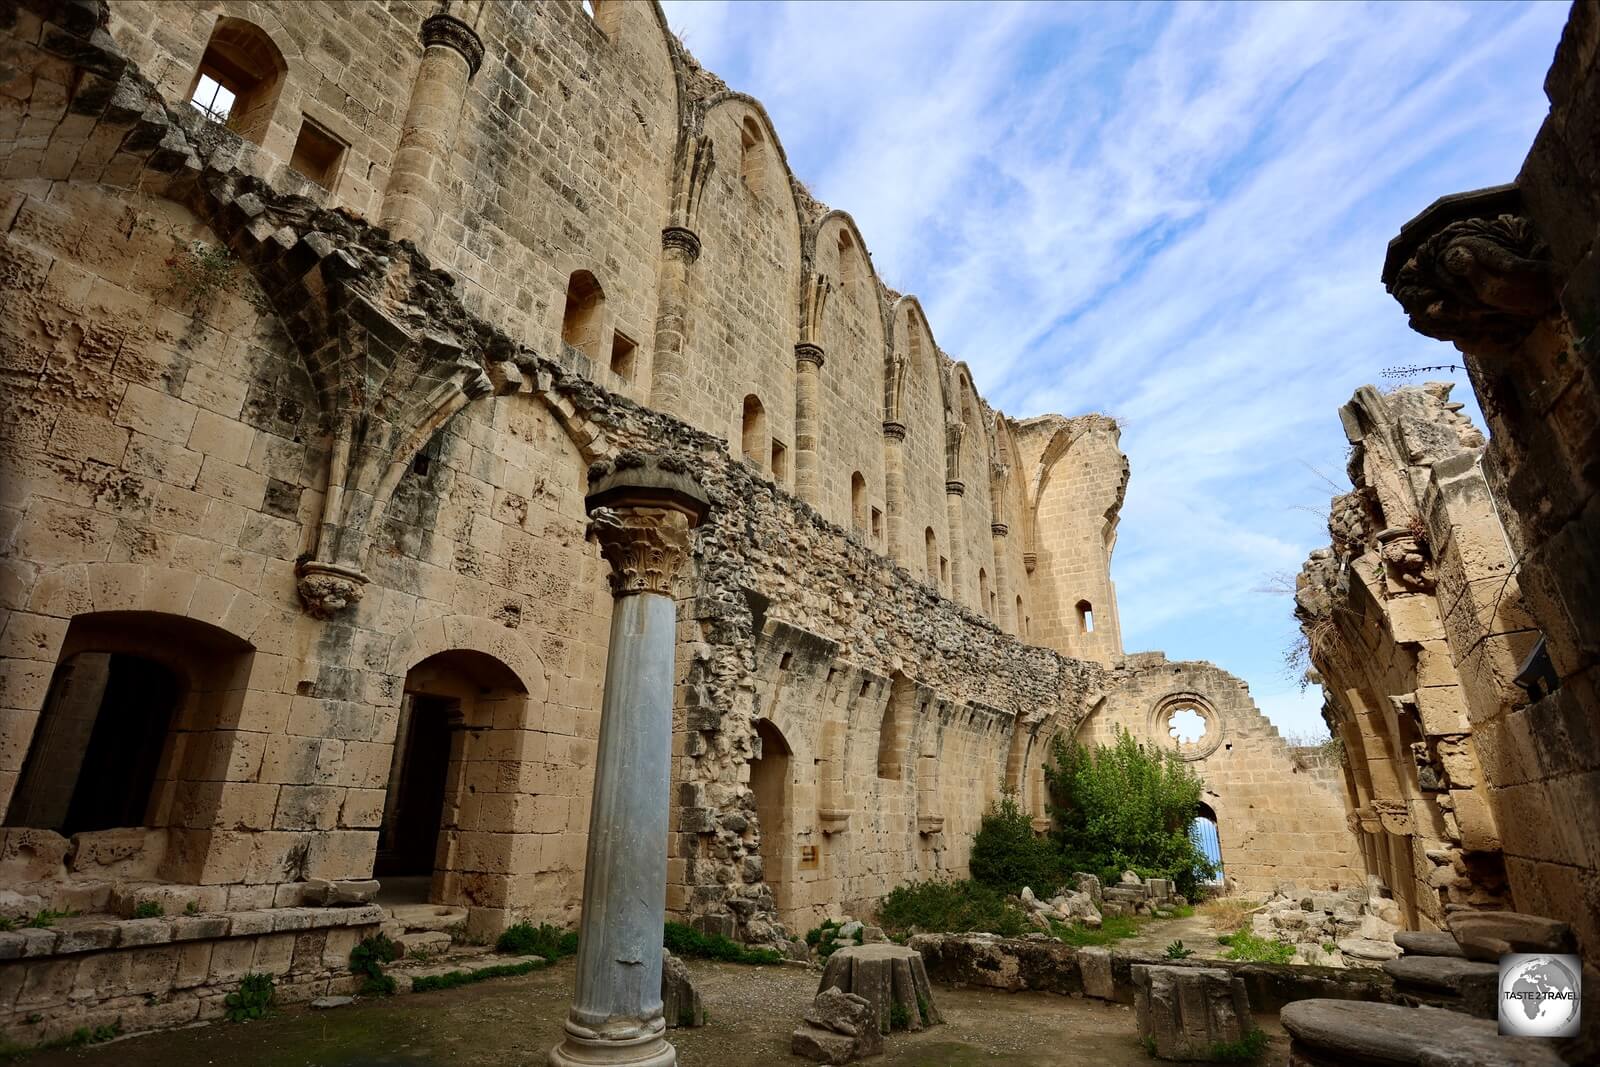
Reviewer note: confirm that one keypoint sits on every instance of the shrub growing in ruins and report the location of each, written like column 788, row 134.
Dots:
column 1124, row 807
column 368, row 958
column 685, row 940
column 950, row 907
column 1246, row 946
column 526, row 939
column 252, row 1000
column 1007, row 854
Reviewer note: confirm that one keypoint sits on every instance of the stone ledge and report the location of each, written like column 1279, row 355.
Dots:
column 99, row 935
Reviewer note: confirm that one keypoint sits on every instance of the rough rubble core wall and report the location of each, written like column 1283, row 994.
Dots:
column 1522, row 307
column 1280, row 812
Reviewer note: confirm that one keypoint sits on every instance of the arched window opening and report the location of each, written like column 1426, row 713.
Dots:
column 240, row 77
column 858, row 503
column 1204, row 833
column 931, row 543
column 849, row 268
column 770, row 781
column 1186, row 725
column 583, row 321
column 753, row 434
column 133, row 697
column 985, row 601
column 753, row 156
column 1085, row 617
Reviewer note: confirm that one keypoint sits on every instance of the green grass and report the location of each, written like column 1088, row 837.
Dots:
column 526, row 939
column 451, row 979
column 1247, row 1049
column 685, row 940
column 945, row 906
column 1246, row 946
column 1113, row 928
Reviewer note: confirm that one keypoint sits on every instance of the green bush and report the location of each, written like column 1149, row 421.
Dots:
column 1125, row 807
column 368, row 958
column 943, row 906
column 1244, row 945
column 1007, row 854
column 252, row 1000
column 685, row 940
column 526, row 939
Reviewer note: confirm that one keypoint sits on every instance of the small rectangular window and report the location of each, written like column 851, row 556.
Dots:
column 317, row 154
column 780, row 463
column 944, row 571
column 622, row 350
column 877, row 525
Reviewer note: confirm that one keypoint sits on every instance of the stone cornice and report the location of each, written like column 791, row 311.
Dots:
column 894, row 431
column 451, row 32
column 808, row 352
column 999, row 529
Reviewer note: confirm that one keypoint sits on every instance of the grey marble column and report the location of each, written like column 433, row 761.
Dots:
column 641, row 511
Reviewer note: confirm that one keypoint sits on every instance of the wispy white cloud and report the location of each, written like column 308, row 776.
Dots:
column 1172, row 213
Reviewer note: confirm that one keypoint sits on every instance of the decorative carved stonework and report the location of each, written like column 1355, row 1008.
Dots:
column 894, row 431
column 451, row 32
column 1477, row 280
column 955, row 488
column 929, row 824
column 999, row 529
column 834, row 820
column 1407, row 559
column 1393, row 815
column 327, row 589
column 808, row 352
column 641, row 510
column 1030, row 560
column 682, row 240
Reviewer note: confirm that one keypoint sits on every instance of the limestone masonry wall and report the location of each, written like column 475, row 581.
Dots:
column 296, row 414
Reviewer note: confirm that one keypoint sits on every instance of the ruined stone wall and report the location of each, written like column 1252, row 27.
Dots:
column 1508, row 275
column 1280, row 815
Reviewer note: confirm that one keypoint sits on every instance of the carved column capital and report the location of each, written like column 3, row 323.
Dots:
column 326, row 589
column 451, row 32
column 808, row 352
column 1030, row 560
column 999, row 529
column 642, row 510
column 955, row 488
column 1472, row 270
column 894, row 431
column 682, row 240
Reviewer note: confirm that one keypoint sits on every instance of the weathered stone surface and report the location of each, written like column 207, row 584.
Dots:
column 1365, row 950
column 1439, row 972
column 1427, row 943
column 999, row 963
column 891, row 978
column 1488, row 935
column 1328, row 1032
column 839, row 1027
column 1184, row 1012
column 680, row 1000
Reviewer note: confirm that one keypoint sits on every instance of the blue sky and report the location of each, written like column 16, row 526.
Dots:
column 1173, row 214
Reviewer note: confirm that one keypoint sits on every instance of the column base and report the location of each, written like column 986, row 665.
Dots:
column 652, row 1050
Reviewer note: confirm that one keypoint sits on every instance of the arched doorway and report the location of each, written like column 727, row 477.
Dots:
column 1204, row 833
column 442, row 774
column 772, row 783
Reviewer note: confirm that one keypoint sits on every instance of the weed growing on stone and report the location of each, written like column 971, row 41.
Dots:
column 192, row 908
column 451, row 979
column 899, row 1017
column 685, row 940
column 526, row 939
column 47, row 918
column 148, row 909
column 368, row 958
column 947, row 906
column 198, row 272
column 822, row 938
column 1247, row 1049
column 1177, row 951
column 252, row 1000
column 1244, row 945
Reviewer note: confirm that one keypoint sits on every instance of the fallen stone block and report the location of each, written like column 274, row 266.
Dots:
column 838, row 1027
column 680, row 1000
column 1488, row 935
column 1427, row 943
column 1184, row 1013
column 1366, row 950
column 891, row 978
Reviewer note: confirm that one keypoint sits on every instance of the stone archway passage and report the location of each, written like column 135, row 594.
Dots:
column 770, row 781
column 1206, row 837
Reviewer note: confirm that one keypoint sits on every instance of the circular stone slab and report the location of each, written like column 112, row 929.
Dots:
column 1439, row 972
column 1428, row 943
column 1352, row 1033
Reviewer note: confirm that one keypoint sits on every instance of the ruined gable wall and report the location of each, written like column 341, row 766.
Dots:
column 1278, row 820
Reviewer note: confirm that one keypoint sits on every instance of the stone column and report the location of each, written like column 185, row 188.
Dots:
column 451, row 56
column 953, row 492
column 641, row 512
column 807, row 420
column 1004, row 611
column 894, row 491
column 680, row 249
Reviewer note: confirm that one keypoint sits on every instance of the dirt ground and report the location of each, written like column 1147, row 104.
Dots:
column 506, row 1021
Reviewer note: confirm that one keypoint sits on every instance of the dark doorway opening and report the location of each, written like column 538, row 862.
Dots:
column 94, row 761
column 411, row 836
